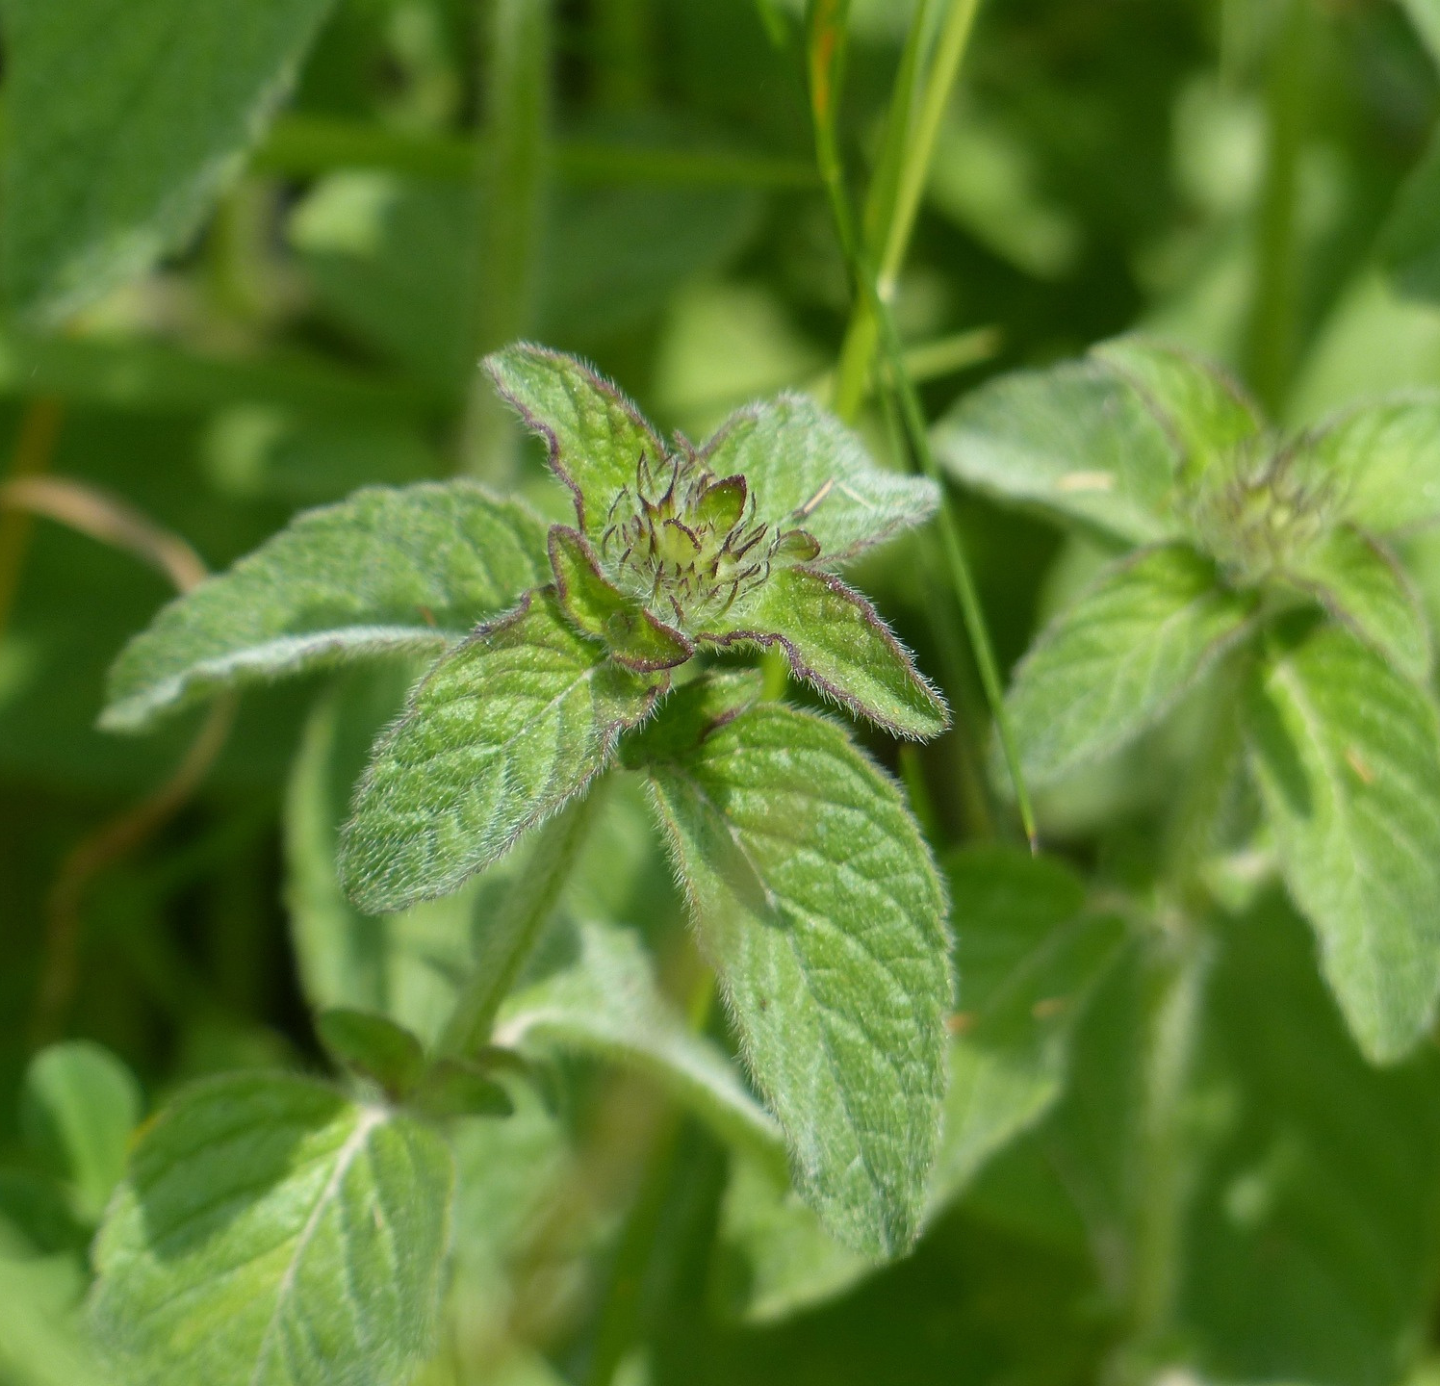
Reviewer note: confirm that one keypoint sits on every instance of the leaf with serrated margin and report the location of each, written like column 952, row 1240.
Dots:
column 1113, row 664
column 1028, row 957
column 385, row 572
column 1363, row 586
column 1077, row 441
column 161, row 102
column 816, row 899
column 807, row 470
column 605, row 1003
column 272, row 1233
column 1384, row 460
column 836, row 642
column 1347, row 755
column 635, row 637
column 506, row 728
column 1202, row 407
column 595, row 435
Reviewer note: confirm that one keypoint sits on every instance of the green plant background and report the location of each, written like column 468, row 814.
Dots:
column 252, row 252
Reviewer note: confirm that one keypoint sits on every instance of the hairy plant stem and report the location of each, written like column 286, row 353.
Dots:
column 517, row 925
column 828, row 21
column 1273, row 329
column 511, row 164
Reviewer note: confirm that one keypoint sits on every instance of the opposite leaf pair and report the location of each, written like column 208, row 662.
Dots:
column 813, row 891
column 1264, row 547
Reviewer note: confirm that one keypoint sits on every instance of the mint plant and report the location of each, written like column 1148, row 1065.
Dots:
column 812, row 889
column 508, row 958
column 1266, row 567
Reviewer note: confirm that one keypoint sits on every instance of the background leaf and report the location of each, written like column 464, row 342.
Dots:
column 385, row 572
column 1347, row 754
column 1076, row 441
column 1114, row 663
column 162, row 103
column 251, row 1202
column 817, row 901
column 1312, row 1234
column 604, row 1002
column 1385, row 461
column 1364, row 587
column 78, row 1108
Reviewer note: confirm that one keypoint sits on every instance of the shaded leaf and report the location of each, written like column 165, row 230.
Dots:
column 816, row 899
column 384, row 572
column 605, row 1002
column 1113, row 664
column 1028, row 955
column 1363, row 586
column 271, row 1231
column 78, row 1106
column 835, row 641
column 806, row 469
column 162, row 100
column 1347, row 754
column 373, row 1045
column 506, row 728
column 1310, row 1240
column 1078, row 441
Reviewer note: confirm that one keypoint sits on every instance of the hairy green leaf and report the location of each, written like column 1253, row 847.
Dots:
column 1363, row 586
column 1028, row 956
column 805, row 468
column 835, row 641
column 1077, row 440
column 1311, row 1239
column 605, row 1002
column 1383, row 459
column 635, row 638
column 78, row 1107
column 816, row 898
column 384, row 572
column 1347, row 754
column 1204, row 410
column 497, row 737
column 161, row 102
column 272, row 1232
column 1113, row 664
column 596, row 436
